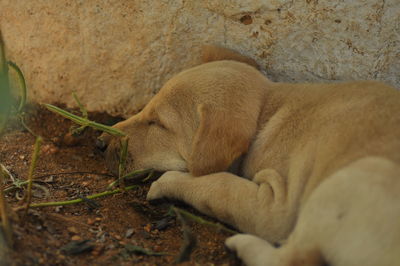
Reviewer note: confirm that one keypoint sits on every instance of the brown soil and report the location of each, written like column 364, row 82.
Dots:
column 111, row 223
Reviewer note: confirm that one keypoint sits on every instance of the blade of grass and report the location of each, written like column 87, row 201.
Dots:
column 75, row 201
column 189, row 239
column 35, row 156
column 133, row 175
column 78, row 131
column 21, row 85
column 85, row 122
column 22, row 120
column 83, row 109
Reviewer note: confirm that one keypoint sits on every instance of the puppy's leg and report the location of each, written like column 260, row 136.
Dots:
column 258, row 208
column 350, row 219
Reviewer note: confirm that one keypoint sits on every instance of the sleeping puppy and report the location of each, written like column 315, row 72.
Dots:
column 319, row 163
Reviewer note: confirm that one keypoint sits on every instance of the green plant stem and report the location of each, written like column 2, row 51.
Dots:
column 75, row 201
column 32, row 167
column 111, row 185
column 5, row 223
column 189, row 239
column 122, row 161
column 22, row 120
column 84, row 122
column 200, row 220
column 83, row 109
column 132, row 175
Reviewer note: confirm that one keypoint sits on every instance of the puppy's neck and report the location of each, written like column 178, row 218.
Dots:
column 274, row 97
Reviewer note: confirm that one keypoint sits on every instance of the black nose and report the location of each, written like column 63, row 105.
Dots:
column 101, row 144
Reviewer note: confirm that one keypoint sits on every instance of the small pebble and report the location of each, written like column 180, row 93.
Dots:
column 118, row 237
column 72, row 229
column 56, row 140
column 147, row 228
column 111, row 246
column 70, row 140
column 129, row 232
column 102, row 238
column 97, row 251
column 49, row 149
column 76, row 238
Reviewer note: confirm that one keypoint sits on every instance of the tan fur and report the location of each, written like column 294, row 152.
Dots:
column 216, row 124
column 320, row 161
column 212, row 53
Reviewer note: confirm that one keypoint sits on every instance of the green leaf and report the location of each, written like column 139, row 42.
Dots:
column 21, row 85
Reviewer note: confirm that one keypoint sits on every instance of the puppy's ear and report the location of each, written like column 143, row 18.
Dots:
column 220, row 138
column 211, row 53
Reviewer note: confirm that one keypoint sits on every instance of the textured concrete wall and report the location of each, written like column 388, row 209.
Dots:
column 116, row 54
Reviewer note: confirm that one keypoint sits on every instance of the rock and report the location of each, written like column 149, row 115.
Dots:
column 72, row 230
column 76, row 238
column 129, row 232
column 117, row 237
column 117, row 56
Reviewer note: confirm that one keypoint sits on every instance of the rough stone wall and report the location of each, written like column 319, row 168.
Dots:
column 116, row 54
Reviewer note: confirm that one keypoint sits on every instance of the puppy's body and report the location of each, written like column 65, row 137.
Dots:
column 323, row 155
column 316, row 129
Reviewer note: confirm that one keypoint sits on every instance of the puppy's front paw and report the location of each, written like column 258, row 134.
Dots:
column 155, row 191
column 167, row 185
column 235, row 242
column 252, row 250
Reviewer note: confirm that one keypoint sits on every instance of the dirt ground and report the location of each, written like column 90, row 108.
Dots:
column 103, row 231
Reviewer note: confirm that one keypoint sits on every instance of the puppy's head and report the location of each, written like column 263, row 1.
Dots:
column 200, row 121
